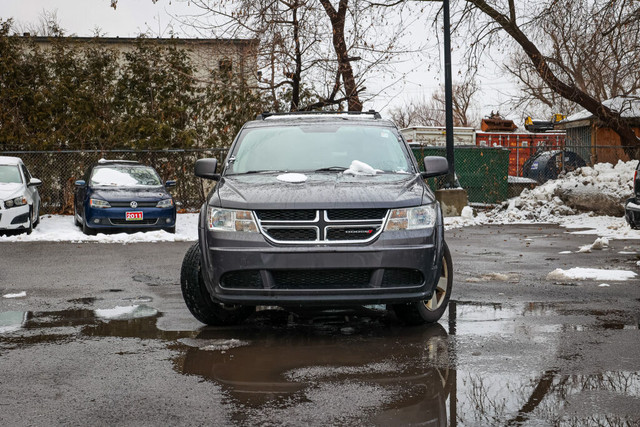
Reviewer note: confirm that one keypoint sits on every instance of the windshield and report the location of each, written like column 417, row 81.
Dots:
column 304, row 148
column 125, row 176
column 9, row 174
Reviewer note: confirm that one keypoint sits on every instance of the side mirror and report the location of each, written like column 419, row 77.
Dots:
column 435, row 166
column 170, row 184
column 35, row 182
column 206, row 168
column 80, row 183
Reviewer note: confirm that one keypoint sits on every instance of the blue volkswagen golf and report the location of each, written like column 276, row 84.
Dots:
column 123, row 195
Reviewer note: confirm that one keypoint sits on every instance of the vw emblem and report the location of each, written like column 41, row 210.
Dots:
column 133, row 204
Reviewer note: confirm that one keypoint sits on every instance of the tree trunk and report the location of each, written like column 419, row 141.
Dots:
column 337, row 18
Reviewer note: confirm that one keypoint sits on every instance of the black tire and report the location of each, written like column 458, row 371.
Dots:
column 37, row 221
column 171, row 230
column 75, row 216
column 86, row 229
column 199, row 300
column 30, row 227
column 420, row 312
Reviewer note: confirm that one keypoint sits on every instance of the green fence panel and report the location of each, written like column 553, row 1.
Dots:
column 482, row 171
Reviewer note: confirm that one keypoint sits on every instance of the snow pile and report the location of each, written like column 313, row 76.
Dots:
column 599, row 244
column 579, row 273
column 126, row 312
column 18, row 295
column 360, row 168
column 601, row 189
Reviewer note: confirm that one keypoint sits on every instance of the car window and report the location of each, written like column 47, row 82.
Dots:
column 125, row 176
column 25, row 172
column 10, row 174
column 312, row 147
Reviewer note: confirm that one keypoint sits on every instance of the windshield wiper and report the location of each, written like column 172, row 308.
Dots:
column 332, row 168
column 260, row 171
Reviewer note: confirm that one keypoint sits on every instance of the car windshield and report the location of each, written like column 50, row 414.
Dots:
column 10, row 174
column 125, row 176
column 314, row 147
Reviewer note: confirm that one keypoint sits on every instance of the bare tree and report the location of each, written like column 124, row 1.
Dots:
column 490, row 21
column 432, row 112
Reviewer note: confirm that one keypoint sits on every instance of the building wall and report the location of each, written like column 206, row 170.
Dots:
column 608, row 146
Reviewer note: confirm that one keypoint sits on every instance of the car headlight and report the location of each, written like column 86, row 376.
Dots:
column 412, row 218
column 97, row 203
column 230, row 220
column 166, row 203
column 18, row 201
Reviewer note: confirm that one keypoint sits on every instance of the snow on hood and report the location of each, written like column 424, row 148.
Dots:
column 10, row 190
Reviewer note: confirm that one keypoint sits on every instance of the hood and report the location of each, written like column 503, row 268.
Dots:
column 127, row 194
column 320, row 191
column 10, row 190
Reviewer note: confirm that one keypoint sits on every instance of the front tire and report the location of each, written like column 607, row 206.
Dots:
column 430, row 311
column 86, row 229
column 30, row 226
column 199, row 300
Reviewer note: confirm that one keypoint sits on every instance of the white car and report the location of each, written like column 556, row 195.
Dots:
column 19, row 198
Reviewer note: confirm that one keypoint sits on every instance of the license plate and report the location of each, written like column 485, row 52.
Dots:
column 133, row 216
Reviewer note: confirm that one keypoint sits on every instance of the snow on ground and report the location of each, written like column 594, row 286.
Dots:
column 60, row 228
column 579, row 273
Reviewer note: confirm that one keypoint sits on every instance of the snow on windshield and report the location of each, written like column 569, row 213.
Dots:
column 125, row 177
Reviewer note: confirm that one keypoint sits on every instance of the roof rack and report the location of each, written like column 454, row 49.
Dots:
column 109, row 162
column 266, row 114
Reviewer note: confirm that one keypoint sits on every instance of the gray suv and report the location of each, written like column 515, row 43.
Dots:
column 319, row 210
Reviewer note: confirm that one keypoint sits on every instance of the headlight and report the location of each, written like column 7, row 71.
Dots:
column 230, row 220
column 97, row 203
column 412, row 218
column 18, row 201
column 166, row 203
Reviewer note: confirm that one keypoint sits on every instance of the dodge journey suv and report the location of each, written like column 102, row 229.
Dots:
column 318, row 210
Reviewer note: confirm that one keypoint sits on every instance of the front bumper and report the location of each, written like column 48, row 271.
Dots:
column 14, row 218
column 632, row 212
column 111, row 218
column 398, row 267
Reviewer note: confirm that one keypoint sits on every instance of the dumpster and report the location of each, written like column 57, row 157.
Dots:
column 482, row 171
column 549, row 164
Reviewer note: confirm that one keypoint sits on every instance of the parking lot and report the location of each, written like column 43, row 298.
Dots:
column 102, row 336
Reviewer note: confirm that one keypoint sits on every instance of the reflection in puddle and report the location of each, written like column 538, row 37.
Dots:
column 346, row 367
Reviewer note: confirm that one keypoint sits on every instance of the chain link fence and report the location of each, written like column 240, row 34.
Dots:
column 489, row 174
column 59, row 170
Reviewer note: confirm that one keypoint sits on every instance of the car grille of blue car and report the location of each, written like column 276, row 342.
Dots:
column 128, row 204
column 121, row 221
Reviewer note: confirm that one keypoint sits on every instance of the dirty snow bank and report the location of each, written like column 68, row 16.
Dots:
column 588, row 198
column 579, row 273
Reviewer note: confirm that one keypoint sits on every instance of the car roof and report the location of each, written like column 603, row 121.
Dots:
column 9, row 160
column 370, row 118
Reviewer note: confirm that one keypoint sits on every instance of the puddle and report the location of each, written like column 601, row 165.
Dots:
column 328, row 367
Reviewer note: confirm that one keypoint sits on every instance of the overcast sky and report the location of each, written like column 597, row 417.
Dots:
column 133, row 17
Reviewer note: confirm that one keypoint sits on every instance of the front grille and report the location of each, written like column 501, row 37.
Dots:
column 249, row 279
column 305, row 226
column 287, row 215
column 399, row 277
column 121, row 221
column 355, row 214
column 293, row 234
column 321, row 279
column 352, row 233
column 128, row 204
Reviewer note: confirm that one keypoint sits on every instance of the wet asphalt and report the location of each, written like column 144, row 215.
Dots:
column 513, row 348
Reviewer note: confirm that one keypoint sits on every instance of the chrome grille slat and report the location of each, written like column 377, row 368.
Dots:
column 306, row 226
